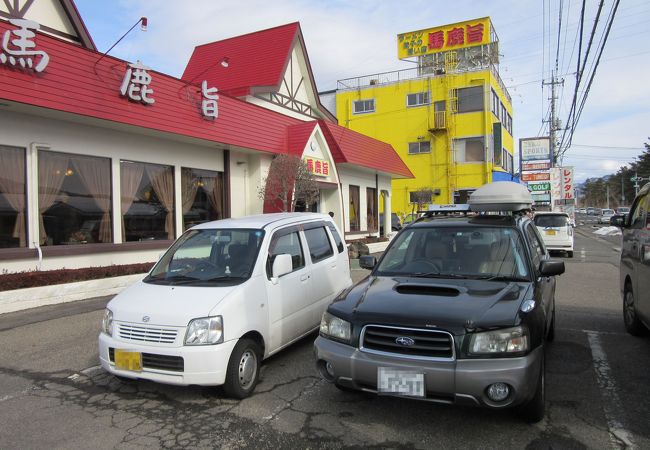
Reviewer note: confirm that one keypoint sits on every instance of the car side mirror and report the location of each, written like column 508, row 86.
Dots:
column 618, row 220
column 367, row 262
column 282, row 265
column 551, row 267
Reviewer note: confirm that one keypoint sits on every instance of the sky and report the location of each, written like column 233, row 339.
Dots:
column 351, row 38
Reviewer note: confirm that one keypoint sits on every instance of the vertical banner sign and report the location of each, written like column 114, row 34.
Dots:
column 567, row 183
column 556, row 184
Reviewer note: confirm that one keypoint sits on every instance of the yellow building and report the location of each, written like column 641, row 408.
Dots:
column 449, row 118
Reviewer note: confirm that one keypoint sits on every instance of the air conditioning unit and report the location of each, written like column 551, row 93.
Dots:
column 373, row 82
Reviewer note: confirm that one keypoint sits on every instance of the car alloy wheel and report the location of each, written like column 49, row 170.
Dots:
column 632, row 323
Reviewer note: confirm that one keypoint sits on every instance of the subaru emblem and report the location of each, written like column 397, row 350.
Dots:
column 405, row 341
column 145, row 318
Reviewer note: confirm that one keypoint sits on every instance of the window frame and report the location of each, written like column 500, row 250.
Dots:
column 274, row 240
column 420, row 151
column 459, row 109
column 363, row 102
column 26, row 207
column 424, row 95
column 465, row 139
column 322, row 257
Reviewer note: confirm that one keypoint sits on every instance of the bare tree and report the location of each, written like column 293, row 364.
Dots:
column 289, row 180
column 422, row 197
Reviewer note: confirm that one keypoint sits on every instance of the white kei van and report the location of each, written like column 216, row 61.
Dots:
column 226, row 295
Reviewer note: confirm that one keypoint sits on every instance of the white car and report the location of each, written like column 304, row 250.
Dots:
column 226, row 295
column 605, row 216
column 556, row 229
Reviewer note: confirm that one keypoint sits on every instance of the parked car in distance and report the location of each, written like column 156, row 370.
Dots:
column 591, row 210
column 395, row 223
column 622, row 210
column 635, row 264
column 459, row 309
column 556, row 229
column 582, row 211
column 605, row 216
column 224, row 296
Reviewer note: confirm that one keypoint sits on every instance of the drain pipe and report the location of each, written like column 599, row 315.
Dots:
column 40, row 256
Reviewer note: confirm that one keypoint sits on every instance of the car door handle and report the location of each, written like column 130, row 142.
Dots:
column 304, row 277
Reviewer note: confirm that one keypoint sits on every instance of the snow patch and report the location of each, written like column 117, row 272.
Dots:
column 608, row 231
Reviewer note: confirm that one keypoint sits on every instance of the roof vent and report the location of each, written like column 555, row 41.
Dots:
column 501, row 196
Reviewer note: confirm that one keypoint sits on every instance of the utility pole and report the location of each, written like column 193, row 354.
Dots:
column 608, row 195
column 553, row 121
column 622, row 190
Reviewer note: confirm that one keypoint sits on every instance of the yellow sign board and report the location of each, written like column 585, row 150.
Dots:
column 444, row 38
column 318, row 167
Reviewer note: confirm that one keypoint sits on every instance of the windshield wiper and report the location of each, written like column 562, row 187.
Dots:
column 436, row 275
column 498, row 278
column 175, row 279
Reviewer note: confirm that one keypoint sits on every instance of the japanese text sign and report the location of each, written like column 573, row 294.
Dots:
column 135, row 84
column 539, row 176
column 20, row 51
column 209, row 105
column 318, row 166
column 567, row 183
column 444, row 38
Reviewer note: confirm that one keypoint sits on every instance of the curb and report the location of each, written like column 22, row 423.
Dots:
column 20, row 299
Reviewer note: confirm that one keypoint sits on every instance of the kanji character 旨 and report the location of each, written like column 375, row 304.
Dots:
column 475, row 33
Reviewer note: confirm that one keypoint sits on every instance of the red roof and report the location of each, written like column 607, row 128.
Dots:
column 361, row 150
column 82, row 82
column 254, row 60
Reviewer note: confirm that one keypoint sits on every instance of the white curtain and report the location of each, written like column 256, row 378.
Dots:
column 162, row 181
column 131, row 177
column 51, row 173
column 189, row 188
column 214, row 190
column 96, row 176
column 12, row 187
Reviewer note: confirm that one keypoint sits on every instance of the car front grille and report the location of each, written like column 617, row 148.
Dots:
column 147, row 334
column 427, row 344
column 160, row 362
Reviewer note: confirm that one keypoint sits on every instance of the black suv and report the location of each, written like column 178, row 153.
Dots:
column 457, row 310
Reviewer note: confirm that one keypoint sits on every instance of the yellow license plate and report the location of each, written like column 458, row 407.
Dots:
column 128, row 360
column 550, row 232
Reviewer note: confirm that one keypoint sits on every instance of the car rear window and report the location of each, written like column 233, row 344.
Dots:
column 550, row 220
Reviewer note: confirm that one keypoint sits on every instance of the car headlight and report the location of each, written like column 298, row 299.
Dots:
column 107, row 322
column 335, row 328
column 509, row 340
column 205, row 331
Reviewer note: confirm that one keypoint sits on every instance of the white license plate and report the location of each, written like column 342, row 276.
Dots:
column 400, row 382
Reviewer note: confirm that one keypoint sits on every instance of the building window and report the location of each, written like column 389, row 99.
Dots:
column 371, row 208
column 470, row 99
column 147, row 201
column 354, row 208
column 469, row 150
column 421, row 197
column 503, row 114
column 509, row 123
column 202, row 194
column 495, row 103
column 74, row 199
column 363, row 106
column 419, row 147
column 13, row 200
column 418, row 99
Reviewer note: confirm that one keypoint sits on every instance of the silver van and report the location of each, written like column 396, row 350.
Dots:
column 635, row 263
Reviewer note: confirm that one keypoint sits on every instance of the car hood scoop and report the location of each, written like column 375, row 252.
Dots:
column 427, row 289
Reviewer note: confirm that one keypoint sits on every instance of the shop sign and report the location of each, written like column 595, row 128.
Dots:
column 318, row 166
column 539, row 187
column 21, row 51
column 536, row 166
column 209, row 105
column 447, row 37
column 567, row 183
column 536, row 176
column 546, row 197
column 535, row 149
column 135, row 84
column 556, row 183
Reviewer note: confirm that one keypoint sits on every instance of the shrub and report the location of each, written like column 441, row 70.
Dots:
column 20, row 280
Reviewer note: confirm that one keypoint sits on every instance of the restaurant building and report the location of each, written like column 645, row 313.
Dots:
column 104, row 161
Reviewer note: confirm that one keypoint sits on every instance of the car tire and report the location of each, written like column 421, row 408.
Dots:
column 534, row 410
column 570, row 254
column 550, row 337
column 243, row 369
column 632, row 323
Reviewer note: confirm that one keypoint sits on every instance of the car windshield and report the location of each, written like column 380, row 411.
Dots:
column 209, row 257
column 551, row 220
column 608, row 212
column 445, row 252
column 623, row 210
